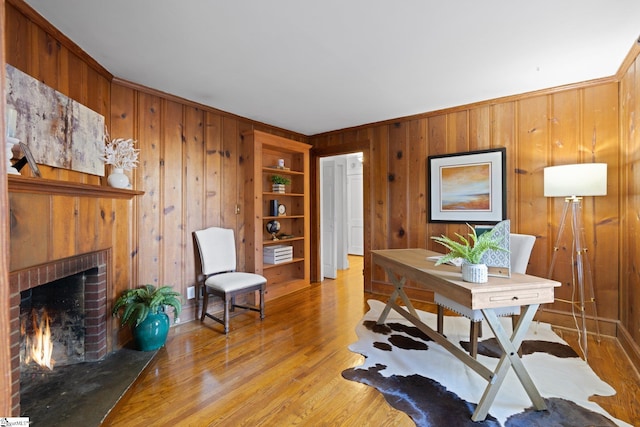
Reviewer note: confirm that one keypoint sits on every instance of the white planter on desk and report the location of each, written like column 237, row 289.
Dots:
column 475, row 273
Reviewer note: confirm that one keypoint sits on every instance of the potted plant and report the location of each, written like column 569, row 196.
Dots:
column 144, row 309
column 470, row 251
column 279, row 182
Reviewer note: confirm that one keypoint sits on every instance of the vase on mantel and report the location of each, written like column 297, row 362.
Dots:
column 118, row 179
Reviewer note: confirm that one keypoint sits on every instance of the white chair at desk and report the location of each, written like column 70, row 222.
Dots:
column 520, row 246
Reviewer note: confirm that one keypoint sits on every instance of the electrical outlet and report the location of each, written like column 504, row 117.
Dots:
column 191, row 292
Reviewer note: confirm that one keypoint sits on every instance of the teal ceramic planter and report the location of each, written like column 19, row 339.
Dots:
column 152, row 332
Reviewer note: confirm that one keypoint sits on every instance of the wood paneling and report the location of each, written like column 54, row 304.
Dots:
column 8, row 389
column 629, row 181
column 174, row 265
column 578, row 124
column 189, row 172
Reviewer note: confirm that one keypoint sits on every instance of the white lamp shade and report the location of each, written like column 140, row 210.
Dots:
column 583, row 179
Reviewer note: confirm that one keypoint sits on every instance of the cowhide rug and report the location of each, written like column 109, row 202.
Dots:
column 434, row 388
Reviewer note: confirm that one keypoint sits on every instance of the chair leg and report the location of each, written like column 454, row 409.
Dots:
column 261, row 304
column 205, row 302
column 227, row 303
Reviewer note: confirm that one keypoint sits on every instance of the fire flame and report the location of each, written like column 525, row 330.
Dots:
column 39, row 345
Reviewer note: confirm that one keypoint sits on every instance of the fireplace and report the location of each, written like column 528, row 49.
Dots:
column 52, row 327
column 79, row 319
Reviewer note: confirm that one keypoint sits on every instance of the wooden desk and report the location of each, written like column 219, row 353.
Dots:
column 520, row 289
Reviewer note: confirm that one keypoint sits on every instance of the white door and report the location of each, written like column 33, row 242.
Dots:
column 341, row 202
column 328, row 219
column 355, row 211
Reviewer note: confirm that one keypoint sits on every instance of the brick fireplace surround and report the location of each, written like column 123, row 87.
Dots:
column 95, row 305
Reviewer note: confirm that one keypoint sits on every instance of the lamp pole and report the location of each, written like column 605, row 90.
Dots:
column 580, row 269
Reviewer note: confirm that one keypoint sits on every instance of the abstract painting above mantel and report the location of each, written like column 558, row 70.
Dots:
column 59, row 131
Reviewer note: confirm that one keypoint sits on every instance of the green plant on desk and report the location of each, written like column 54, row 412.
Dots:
column 468, row 249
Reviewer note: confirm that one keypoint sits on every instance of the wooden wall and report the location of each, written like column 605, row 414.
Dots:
column 576, row 124
column 190, row 171
column 629, row 178
column 48, row 227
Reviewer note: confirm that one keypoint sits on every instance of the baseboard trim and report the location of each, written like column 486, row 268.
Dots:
column 631, row 349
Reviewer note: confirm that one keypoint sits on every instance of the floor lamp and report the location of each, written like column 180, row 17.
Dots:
column 574, row 182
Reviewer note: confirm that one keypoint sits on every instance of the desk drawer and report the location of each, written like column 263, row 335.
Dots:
column 512, row 298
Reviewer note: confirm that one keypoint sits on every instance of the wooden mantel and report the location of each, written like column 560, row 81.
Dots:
column 21, row 184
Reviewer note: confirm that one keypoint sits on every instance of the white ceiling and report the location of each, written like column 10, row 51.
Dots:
column 312, row 66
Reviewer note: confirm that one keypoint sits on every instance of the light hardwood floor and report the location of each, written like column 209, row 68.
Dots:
column 286, row 370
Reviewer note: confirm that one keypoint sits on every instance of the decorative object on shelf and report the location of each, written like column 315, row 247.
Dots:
column 470, row 251
column 468, row 187
column 144, row 310
column 27, row 158
column 279, row 182
column 280, row 165
column 118, row 179
column 11, row 118
column 273, row 227
column 573, row 182
column 120, row 154
column 273, row 207
column 285, row 236
column 9, row 153
column 282, row 210
column 277, row 254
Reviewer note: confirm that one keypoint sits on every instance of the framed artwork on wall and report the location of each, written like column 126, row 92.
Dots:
column 468, row 187
column 59, row 131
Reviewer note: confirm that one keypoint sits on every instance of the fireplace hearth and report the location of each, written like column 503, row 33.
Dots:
column 81, row 394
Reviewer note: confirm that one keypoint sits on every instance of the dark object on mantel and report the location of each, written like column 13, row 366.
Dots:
column 20, row 164
column 21, row 184
column 27, row 158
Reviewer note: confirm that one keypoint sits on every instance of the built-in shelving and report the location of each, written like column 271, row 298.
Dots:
column 262, row 153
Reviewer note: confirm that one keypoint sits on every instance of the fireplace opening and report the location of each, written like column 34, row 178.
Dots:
column 52, row 323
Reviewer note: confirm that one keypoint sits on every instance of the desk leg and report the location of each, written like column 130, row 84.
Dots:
column 510, row 358
column 397, row 292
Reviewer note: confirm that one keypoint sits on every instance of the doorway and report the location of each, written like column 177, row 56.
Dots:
column 341, row 212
